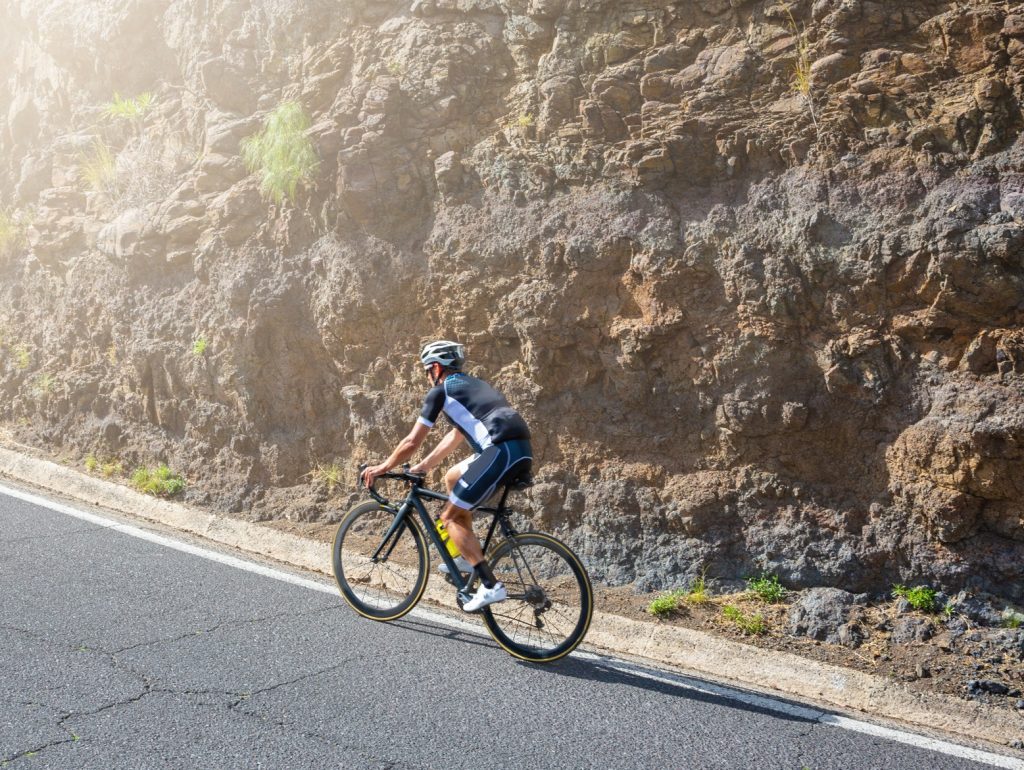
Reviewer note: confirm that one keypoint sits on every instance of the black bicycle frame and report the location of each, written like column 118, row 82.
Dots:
column 414, row 501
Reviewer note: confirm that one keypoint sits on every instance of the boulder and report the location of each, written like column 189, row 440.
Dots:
column 819, row 613
column 120, row 239
column 911, row 628
column 448, row 173
column 36, row 175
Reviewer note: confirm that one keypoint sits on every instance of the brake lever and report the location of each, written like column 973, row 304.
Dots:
column 411, row 475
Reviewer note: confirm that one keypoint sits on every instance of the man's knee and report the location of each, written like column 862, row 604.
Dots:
column 451, row 478
column 454, row 513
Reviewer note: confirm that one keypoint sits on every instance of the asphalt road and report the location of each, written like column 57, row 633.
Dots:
column 116, row 652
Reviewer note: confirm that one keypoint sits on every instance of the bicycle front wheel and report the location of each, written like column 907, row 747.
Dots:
column 550, row 600
column 381, row 580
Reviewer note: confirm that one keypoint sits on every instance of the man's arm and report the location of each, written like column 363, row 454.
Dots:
column 403, row 452
column 444, row 448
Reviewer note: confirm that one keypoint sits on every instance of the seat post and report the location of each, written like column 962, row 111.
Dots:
column 504, row 494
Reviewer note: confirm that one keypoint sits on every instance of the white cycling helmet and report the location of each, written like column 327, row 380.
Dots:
column 451, row 355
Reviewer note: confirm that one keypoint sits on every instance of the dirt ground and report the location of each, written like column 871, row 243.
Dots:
column 945, row 663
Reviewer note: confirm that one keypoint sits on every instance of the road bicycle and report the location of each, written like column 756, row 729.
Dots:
column 382, row 563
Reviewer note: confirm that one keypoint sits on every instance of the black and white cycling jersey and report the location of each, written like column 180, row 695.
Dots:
column 479, row 412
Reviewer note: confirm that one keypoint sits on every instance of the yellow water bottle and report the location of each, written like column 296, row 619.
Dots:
column 446, row 539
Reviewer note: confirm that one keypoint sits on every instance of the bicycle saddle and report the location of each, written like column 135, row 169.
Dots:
column 519, row 483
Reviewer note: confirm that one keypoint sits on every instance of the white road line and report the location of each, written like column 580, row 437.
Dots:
column 751, row 699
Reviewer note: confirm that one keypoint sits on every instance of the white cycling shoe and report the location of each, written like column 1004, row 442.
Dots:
column 485, row 596
column 460, row 562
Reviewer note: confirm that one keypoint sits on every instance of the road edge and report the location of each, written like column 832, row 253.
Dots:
column 683, row 648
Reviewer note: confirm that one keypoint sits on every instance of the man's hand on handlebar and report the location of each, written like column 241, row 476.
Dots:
column 372, row 473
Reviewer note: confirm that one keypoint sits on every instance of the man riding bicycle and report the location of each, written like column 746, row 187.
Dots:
column 498, row 436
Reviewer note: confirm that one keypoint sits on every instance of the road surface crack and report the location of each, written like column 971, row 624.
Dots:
column 219, row 626
column 278, row 685
column 31, row 752
column 368, row 757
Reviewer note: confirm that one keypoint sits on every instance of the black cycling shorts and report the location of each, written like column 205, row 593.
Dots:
column 497, row 463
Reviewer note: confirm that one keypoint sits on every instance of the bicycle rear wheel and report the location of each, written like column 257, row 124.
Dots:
column 388, row 585
column 550, row 600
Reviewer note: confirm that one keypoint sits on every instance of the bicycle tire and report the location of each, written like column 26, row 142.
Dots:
column 388, row 588
column 550, row 600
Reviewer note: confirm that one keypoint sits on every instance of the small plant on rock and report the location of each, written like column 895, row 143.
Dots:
column 132, row 108
column 801, row 82
column 12, row 233
column 160, row 481
column 766, row 588
column 112, row 468
column 44, row 384
column 22, row 357
column 665, row 604
column 1012, row 619
column 200, row 345
column 99, row 169
column 697, row 593
column 106, row 468
column 750, row 625
column 921, row 598
column 327, row 474
column 948, row 611
column 280, row 153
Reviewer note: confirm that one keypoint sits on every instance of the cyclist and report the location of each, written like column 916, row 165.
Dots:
column 498, row 436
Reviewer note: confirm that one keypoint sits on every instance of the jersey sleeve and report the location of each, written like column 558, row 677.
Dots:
column 432, row 406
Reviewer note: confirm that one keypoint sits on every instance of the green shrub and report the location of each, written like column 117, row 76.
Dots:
column 281, row 153
column 98, row 168
column 200, row 345
column 44, row 383
column 921, row 598
column 802, row 77
column 697, row 593
column 1012, row 619
column 112, row 468
column 665, row 604
column 394, row 67
column 133, row 108
column 330, row 475
column 751, row 625
column 160, row 481
column 767, row 588
column 107, row 469
column 22, row 357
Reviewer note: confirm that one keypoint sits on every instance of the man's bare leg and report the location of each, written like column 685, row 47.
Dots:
column 459, row 523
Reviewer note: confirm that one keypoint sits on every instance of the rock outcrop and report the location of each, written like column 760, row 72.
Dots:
column 753, row 271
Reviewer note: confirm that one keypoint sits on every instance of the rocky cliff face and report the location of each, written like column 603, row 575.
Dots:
column 754, row 325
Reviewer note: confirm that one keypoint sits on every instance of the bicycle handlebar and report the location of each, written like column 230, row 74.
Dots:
column 415, row 479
